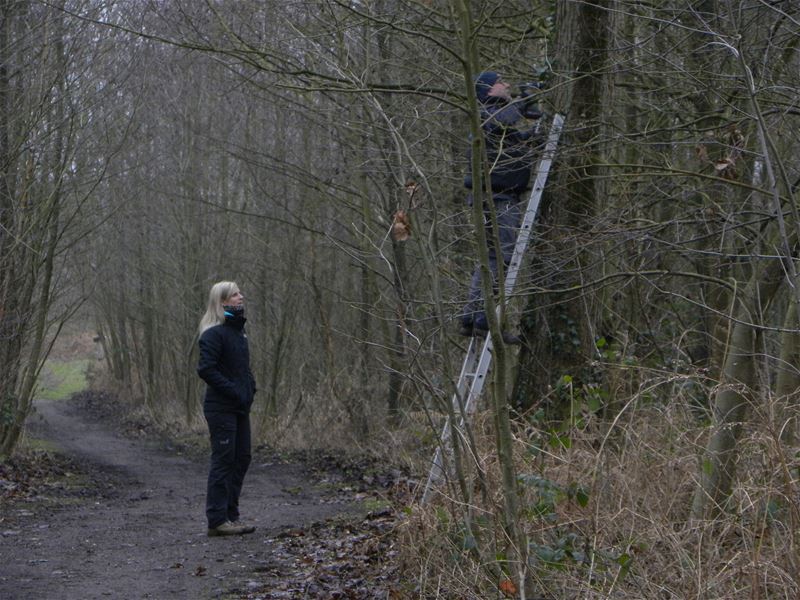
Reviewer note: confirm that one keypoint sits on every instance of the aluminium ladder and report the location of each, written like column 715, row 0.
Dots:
column 479, row 353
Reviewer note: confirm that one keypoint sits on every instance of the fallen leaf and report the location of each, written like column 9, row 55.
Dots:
column 736, row 138
column 401, row 226
column 726, row 168
column 702, row 153
column 508, row 588
column 723, row 164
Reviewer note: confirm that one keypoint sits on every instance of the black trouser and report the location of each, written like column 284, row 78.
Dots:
column 509, row 215
column 230, row 457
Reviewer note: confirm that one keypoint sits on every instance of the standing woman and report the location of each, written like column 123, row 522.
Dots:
column 225, row 366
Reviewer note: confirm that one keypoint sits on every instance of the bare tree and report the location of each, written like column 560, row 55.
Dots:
column 41, row 192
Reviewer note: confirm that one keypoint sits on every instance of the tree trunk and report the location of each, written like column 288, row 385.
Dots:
column 561, row 335
column 718, row 466
column 787, row 383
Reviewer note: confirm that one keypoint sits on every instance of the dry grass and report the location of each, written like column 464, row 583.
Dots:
column 610, row 513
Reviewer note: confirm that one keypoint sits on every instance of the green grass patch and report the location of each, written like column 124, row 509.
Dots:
column 375, row 504
column 60, row 379
column 34, row 444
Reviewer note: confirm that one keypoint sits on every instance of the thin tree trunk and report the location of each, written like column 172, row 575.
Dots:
column 481, row 192
column 42, row 212
column 787, row 383
column 718, row 466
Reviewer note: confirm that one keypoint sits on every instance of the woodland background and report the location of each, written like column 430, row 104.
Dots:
column 642, row 444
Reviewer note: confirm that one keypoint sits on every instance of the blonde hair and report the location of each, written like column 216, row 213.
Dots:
column 215, row 314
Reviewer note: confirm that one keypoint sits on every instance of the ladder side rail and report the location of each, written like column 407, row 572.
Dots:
column 480, row 378
column 469, row 369
column 437, row 471
column 542, row 172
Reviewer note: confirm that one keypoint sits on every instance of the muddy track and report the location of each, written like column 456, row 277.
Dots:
column 140, row 532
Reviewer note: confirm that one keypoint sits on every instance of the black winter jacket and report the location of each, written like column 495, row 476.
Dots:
column 508, row 148
column 225, row 366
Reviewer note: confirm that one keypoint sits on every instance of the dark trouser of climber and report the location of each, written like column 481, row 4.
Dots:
column 507, row 209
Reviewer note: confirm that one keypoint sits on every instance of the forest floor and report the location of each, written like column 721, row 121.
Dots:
column 96, row 508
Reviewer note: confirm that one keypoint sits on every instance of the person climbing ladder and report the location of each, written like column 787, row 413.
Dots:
column 510, row 144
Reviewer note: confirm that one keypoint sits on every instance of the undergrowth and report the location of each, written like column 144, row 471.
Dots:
column 605, row 509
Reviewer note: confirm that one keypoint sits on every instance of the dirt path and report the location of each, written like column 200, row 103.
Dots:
column 140, row 531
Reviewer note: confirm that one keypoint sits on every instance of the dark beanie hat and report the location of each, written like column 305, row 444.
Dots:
column 483, row 84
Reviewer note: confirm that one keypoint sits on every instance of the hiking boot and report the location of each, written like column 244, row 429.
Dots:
column 247, row 528
column 228, row 528
column 465, row 329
